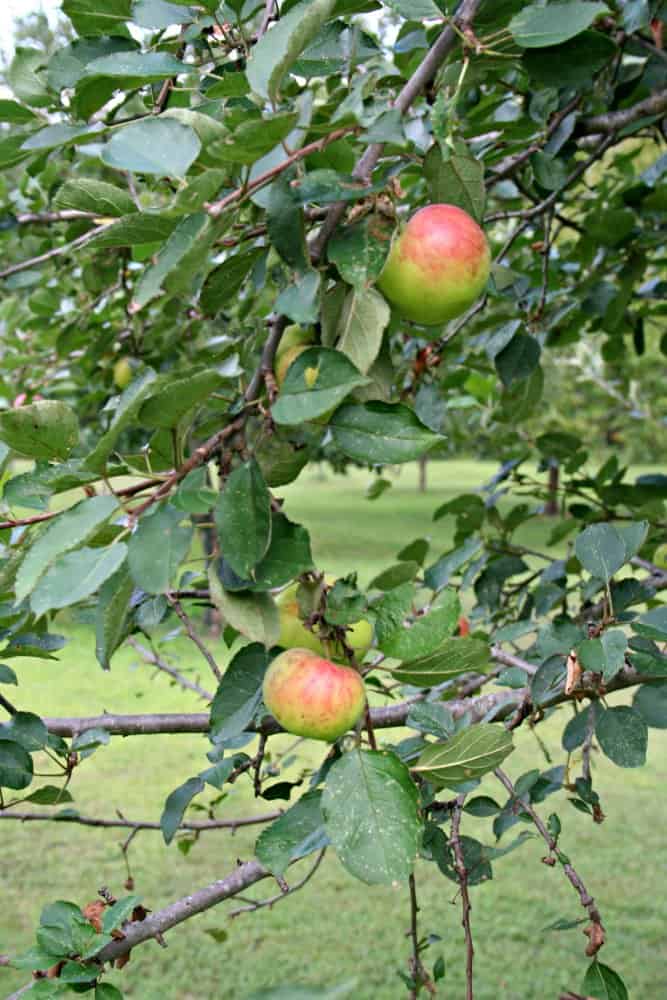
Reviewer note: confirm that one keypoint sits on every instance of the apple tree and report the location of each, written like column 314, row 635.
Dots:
column 198, row 201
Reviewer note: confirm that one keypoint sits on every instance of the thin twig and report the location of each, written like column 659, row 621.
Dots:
column 259, row 760
column 418, row 973
column 76, row 244
column 462, row 874
column 267, row 17
column 595, row 930
column 189, row 628
column 258, row 905
column 156, row 661
column 7, row 705
column 195, row 826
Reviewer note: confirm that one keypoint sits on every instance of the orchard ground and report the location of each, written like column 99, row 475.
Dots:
column 336, row 930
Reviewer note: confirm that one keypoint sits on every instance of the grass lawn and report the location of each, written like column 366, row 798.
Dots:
column 337, row 929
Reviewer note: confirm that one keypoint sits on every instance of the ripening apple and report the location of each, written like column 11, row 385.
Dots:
column 293, row 342
column 294, row 634
column 311, row 696
column 660, row 556
column 437, row 266
column 122, row 373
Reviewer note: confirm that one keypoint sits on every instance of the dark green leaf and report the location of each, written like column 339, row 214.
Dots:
column 470, row 754
column 158, row 146
column 316, row 382
column 48, row 429
column 297, row 833
column 453, row 656
column 536, row 26
column 381, row 433
column 175, row 806
column 75, row 576
column 239, row 693
column 15, row 766
column 243, row 518
column 650, row 700
column 603, row 983
column 157, row 547
column 600, row 550
column 623, row 736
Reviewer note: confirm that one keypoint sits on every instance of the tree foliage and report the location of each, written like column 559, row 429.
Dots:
column 181, row 183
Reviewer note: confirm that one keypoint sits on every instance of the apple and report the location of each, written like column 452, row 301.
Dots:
column 660, row 556
column 284, row 360
column 293, row 342
column 311, row 696
column 464, row 626
column 122, row 373
column 437, row 266
column 293, row 632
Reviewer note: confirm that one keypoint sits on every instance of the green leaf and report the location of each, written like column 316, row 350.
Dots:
column 118, row 912
column 536, row 26
column 415, row 10
column 573, row 64
column 427, row 633
column 89, row 195
column 176, row 804
column 27, row 730
column 431, row 717
column 136, row 67
column 157, row 548
column 58, row 135
column 370, row 808
column 254, row 139
column 189, row 232
column 129, row 404
column 15, row 766
column 49, row 795
column 160, row 13
column 48, row 429
column 224, row 283
column 243, row 518
column 439, row 574
column 285, row 224
column 359, row 252
column 600, row 550
column 168, row 404
column 295, row 834
column 364, row 318
column 75, row 576
column 7, row 675
column 650, row 700
column 603, row 983
column 381, row 433
column 454, row 656
column 300, row 300
column 281, row 46
column 68, row 64
column 287, row 557
column 159, row 146
column 105, row 991
column 457, row 179
column 653, row 624
column 518, row 359
column 132, row 230
column 623, row 736
column 113, row 605
column 606, row 655
column 253, row 615
column 239, row 693
column 15, row 113
column 70, row 529
column 91, row 17
column 470, row 754
column 316, row 383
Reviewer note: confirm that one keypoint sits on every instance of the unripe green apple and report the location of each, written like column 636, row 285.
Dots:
column 122, row 373
column 293, row 632
column 292, row 336
column 311, row 696
column 437, row 266
column 660, row 556
column 284, row 360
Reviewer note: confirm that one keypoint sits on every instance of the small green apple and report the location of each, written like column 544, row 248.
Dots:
column 293, row 632
column 122, row 373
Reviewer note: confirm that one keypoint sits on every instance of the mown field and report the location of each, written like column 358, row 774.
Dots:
column 337, row 930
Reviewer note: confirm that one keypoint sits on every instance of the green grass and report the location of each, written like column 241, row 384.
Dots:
column 337, row 929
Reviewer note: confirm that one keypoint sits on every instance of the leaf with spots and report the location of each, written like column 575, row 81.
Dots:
column 296, row 833
column 470, row 754
column 370, row 807
column 623, row 736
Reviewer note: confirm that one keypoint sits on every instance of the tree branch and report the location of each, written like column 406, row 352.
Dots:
column 595, row 931
column 192, row 635
column 614, row 121
column 56, row 252
column 197, row 826
column 189, row 906
column 251, row 907
column 149, row 656
column 497, row 704
column 462, row 873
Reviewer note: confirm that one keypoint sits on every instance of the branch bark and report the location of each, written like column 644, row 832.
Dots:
column 614, row 121
column 195, row 826
column 462, row 873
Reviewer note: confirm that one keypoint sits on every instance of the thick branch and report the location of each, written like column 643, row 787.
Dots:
column 613, row 121
column 499, row 704
column 260, row 904
column 157, row 923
